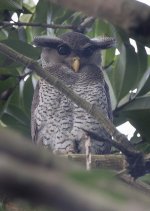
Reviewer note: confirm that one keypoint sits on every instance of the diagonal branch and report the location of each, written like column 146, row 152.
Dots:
column 135, row 158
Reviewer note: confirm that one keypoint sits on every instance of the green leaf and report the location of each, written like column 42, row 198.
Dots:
column 129, row 79
column 28, row 95
column 146, row 178
column 9, row 83
column 3, row 34
column 119, row 119
column 24, row 48
column 142, row 60
column 12, row 122
column 29, row 7
column 140, row 103
column 108, row 57
column 129, row 66
column 111, row 92
column 21, row 47
column 138, row 113
column 136, row 139
column 144, row 146
column 16, row 118
column 140, row 119
column 11, row 5
column 25, row 18
column 15, row 98
column 18, row 114
column 99, row 29
column 116, row 76
column 144, row 84
column 42, row 14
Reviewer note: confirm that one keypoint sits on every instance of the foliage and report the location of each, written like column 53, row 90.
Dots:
column 128, row 74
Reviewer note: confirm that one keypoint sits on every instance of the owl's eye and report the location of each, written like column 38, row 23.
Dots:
column 63, row 50
column 87, row 52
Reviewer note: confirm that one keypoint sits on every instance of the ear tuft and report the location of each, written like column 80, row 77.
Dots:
column 47, row 41
column 104, row 42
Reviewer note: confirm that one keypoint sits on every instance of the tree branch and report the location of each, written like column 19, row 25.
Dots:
column 87, row 22
column 137, row 166
column 44, row 25
column 124, row 13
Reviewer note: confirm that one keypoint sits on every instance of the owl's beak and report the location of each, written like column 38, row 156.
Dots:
column 75, row 64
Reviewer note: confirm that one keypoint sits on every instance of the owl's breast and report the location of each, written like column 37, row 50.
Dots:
column 51, row 101
column 90, row 74
column 53, row 115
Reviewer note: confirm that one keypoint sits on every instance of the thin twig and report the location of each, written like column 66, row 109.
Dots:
column 44, row 25
column 86, row 23
column 108, row 65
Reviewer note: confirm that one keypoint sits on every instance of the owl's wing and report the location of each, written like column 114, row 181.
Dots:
column 110, row 114
column 35, row 101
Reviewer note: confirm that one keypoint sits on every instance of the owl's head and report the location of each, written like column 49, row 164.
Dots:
column 72, row 49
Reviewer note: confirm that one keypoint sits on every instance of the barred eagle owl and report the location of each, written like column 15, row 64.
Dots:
column 57, row 122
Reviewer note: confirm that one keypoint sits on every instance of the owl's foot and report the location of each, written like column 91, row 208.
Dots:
column 63, row 151
column 88, row 142
column 70, row 149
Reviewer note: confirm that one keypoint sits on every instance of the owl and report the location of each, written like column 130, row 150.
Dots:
column 56, row 122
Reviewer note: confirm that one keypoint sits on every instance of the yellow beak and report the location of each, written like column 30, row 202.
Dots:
column 75, row 64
